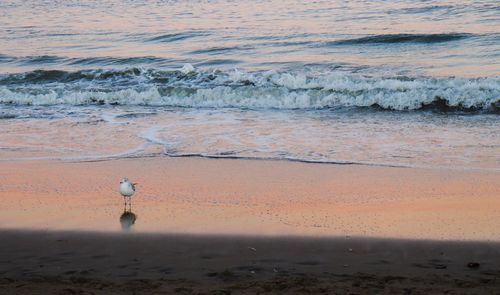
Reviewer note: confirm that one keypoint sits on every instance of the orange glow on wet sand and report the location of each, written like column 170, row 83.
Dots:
column 192, row 195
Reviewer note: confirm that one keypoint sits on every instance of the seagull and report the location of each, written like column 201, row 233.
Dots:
column 127, row 189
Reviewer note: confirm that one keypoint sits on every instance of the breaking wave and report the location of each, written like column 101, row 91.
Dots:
column 190, row 88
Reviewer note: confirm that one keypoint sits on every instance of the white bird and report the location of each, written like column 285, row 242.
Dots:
column 127, row 188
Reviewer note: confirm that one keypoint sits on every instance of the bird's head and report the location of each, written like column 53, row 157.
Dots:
column 124, row 179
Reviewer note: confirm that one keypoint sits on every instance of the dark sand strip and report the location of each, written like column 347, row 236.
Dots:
column 38, row 262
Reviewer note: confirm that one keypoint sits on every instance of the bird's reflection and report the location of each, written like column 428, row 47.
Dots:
column 128, row 218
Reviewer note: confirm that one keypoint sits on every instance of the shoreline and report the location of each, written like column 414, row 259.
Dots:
column 155, row 155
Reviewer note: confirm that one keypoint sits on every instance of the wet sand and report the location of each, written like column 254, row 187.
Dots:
column 216, row 196
column 116, row 263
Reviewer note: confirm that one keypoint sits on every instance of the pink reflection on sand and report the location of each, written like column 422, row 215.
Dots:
column 252, row 198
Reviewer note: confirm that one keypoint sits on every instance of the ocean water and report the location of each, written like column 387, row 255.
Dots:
column 395, row 83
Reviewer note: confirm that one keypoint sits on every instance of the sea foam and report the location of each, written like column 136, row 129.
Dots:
column 238, row 89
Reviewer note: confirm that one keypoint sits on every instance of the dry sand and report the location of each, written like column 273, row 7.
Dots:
column 242, row 226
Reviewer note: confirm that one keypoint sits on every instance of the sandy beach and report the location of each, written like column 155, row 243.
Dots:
column 215, row 226
column 249, row 147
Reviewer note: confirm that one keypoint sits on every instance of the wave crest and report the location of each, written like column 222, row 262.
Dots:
column 404, row 38
column 236, row 89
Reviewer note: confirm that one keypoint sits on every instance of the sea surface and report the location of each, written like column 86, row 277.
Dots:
column 394, row 83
